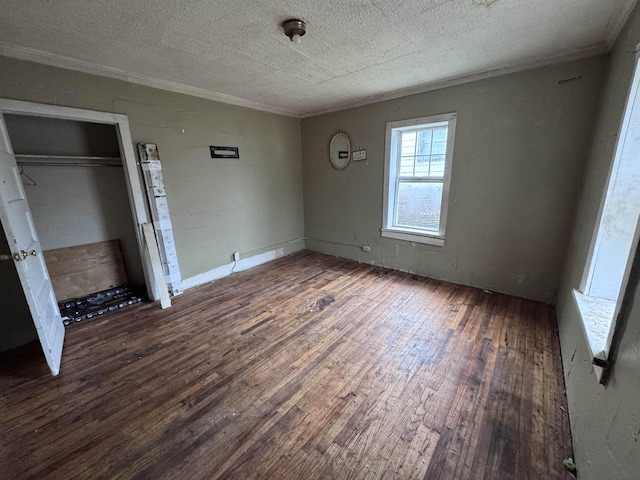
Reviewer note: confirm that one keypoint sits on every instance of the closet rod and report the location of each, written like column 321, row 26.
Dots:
column 66, row 164
column 67, row 161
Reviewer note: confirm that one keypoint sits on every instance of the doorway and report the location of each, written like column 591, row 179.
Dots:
column 74, row 182
column 22, row 222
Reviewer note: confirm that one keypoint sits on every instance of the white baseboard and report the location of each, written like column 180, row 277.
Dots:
column 243, row 264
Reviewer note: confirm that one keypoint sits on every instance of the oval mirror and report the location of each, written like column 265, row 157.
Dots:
column 340, row 150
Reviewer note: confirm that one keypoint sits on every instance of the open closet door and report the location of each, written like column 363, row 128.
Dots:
column 27, row 255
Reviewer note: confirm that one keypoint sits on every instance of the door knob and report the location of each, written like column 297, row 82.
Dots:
column 22, row 255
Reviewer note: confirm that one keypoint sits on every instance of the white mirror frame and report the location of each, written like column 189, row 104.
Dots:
column 340, row 163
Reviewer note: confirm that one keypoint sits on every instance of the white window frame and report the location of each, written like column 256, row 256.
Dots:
column 599, row 315
column 390, row 179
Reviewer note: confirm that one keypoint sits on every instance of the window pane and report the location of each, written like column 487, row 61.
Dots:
column 406, row 166
column 422, row 152
column 408, row 144
column 439, row 148
column 422, row 166
column 440, row 134
column 424, row 142
column 437, row 166
column 419, row 205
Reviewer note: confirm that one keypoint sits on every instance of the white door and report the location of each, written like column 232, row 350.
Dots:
column 27, row 255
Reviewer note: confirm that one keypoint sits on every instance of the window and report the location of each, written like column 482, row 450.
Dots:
column 417, row 175
column 615, row 238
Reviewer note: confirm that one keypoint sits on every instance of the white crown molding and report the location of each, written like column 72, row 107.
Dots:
column 598, row 49
column 37, row 56
column 61, row 61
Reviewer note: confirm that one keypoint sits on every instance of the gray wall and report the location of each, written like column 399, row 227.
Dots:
column 251, row 205
column 217, row 206
column 76, row 205
column 521, row 144
column 605, row 421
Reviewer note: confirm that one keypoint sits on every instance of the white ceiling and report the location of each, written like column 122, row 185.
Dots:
column 354, row 52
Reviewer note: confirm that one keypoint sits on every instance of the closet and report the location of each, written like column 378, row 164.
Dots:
column 74, row 181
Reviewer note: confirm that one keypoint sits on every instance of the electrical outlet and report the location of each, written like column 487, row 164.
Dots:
column 366, row 248
column 236, row 256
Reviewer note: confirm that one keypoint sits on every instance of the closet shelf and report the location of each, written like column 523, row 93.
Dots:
column 66, row 160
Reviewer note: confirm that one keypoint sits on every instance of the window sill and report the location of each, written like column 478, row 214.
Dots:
column 411, row 236
column 596, row 315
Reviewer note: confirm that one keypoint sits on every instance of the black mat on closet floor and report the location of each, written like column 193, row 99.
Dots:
column 78, row 309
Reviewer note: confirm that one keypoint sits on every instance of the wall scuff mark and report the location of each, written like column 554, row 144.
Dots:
column 569, row 80
column 484, row 3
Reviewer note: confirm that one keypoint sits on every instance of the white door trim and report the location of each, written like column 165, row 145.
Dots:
column 132, row 174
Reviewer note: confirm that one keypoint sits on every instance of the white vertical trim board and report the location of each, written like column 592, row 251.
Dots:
column 156, row 264
column 157, row 196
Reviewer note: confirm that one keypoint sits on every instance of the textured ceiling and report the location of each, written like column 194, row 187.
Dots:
column 354, row 51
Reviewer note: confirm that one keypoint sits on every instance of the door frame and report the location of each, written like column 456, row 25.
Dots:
column 132, row 174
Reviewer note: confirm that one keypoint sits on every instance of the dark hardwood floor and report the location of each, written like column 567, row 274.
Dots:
column 310, row 367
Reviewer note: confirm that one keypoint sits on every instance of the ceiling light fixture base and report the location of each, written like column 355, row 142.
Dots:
column 294, row 29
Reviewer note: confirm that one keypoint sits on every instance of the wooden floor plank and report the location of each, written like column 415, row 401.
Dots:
column 309, row 367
